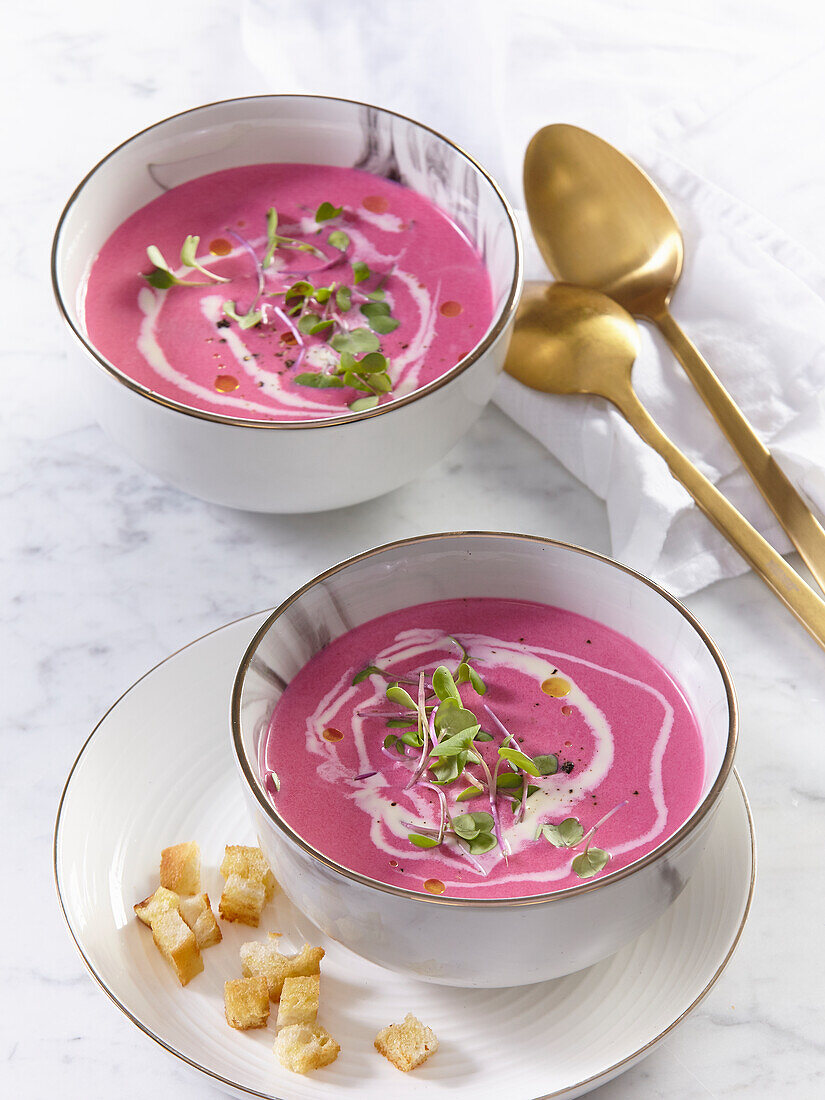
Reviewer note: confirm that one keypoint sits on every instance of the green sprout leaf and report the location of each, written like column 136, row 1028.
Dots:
column 516, row 798
column 468, row 794
column 360, row 271
column 589, row 863
column 381, row 382
column 421, row 841
column 188, row 257
column 343, row 298
column 484, row 842
column 448, row 770
column 370, row 670
column 163, row 277
column 397, row 694
column 452, row 718
column 357, row 341
column 389, row 741
column 320, row 326
column 326, row 211
column 301, row 289
column 520, row 759
column 384, row 325
column 189, row 250
column 444, row 685
column 371, row 363
column 272, row 238
column 338, row 239
column 378, row 317
column 547, row 763
column 482, row 735
column 399, row 723
column 247, row 320
column 452, row 746
column 323, row 294
column 508, row 780
column 466, row 674
column 320, row 381
column 567, row 834
column 470, row 825
column 356, row 381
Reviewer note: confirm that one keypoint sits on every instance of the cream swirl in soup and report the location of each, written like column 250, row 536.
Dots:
column 483, row 748
column 310, row 291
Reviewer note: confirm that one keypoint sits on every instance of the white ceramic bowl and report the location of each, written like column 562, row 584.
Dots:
column 273, row 466
column 447, row 940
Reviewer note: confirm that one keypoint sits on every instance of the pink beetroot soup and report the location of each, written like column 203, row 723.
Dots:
column 619, row 754
column 350, row 266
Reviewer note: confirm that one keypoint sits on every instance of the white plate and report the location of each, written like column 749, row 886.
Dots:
column 157, row 770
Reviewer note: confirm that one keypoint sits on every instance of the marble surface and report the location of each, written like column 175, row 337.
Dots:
column 106, row 571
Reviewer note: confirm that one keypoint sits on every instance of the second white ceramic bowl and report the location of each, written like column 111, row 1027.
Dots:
column 272, row 466
column 496, row 942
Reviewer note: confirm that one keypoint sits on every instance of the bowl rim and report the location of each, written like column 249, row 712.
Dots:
column 500, row 321
column 251, row 780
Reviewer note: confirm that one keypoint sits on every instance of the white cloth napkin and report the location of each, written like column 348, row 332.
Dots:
column 653, row 80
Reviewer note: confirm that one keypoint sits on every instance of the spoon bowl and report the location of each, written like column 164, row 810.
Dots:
column 571, row 340
column 599, row 221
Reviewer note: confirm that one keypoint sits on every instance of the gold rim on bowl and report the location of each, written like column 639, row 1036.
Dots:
column 250, row 771
column 504, row 315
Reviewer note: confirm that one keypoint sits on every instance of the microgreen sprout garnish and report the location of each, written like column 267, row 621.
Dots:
column 244, row 320
column 360, row 271
column 567, row 834
column 338, row 239
column 188, row 257
column 162, row 276
column 570, row 833
column 326, row 211
column 275, row 240
column 590, row 862
column 309, row 310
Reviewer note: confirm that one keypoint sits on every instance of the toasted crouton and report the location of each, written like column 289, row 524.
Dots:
column 408, row 1044
column 266, row 959
column 242, row 900
column 156, row 903
column 301, row 1048
column 197, row 912
column 180, row 868
column 246, row 1003
column 177, row 943
column 249, row 863
column 299, row 1000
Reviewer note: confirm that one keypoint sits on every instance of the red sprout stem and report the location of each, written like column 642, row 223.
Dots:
column 259, row 271
column 589, row 834
column 445, row 817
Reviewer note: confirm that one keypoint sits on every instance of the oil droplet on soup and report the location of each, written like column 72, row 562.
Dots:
column 556, row 686
column 376, row 204
column 220, row 247
column 450, row 309
column 434, row 886
column 332, row 735
column 226, row 383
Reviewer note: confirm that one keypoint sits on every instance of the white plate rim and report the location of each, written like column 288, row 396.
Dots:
column 603, row 1076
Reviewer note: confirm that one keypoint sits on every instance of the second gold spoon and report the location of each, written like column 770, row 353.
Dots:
column 576, row 341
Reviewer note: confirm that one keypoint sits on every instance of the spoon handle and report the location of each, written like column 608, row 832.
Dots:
column 802, row 527
column 798, row 597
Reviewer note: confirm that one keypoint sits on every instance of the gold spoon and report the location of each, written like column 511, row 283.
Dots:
column 569, row 339
column 601, row 222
